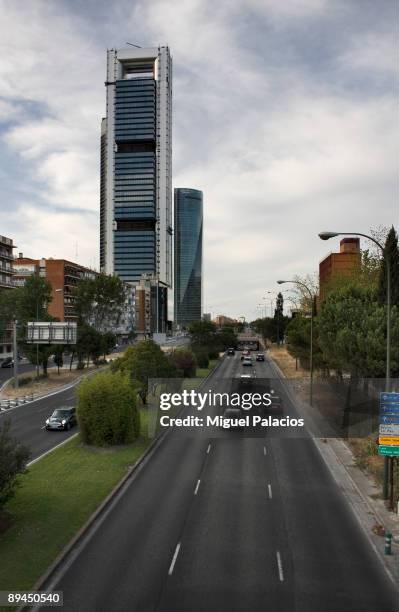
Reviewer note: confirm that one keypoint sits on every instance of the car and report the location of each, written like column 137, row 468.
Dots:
column 260, row 357
column 247, row 361
column 245, row 353
column 276, row 406
column 7, row 363
column 232, row 416
column 231, row 351
column 62, row 418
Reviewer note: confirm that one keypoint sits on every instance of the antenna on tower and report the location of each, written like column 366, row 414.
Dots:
column 132, row 45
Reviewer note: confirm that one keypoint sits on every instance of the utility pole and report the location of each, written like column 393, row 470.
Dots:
column 15, row 352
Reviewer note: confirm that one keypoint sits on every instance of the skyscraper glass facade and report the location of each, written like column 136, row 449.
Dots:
column 188, row 256
column 136, row 166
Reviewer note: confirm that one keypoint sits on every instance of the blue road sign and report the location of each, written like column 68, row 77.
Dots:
column 389, row 419
column 386, row 397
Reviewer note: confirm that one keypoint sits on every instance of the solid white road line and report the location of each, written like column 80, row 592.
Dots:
column 172, row 565
column 269, row 486
column 280, row 566
column 208, row 449
column 51, row 450
column 197, row 487
column 264, row 450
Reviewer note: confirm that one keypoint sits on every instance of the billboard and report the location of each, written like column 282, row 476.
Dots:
column 51, row 333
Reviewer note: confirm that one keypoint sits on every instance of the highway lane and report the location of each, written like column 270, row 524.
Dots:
column 28, row 420
column 229, row 523
column 7, row 373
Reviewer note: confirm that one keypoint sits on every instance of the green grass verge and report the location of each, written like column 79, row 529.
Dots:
column 193, row 383
column 56, row 497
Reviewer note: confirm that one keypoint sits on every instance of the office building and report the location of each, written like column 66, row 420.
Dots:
column 150, row 308
column 346, row 263
column 188, row 222
column 6, row 283
column 136, row 166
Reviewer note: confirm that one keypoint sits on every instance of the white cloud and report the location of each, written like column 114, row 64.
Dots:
column 280, row 145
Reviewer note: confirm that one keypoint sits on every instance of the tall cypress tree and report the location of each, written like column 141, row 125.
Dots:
column 391, row 251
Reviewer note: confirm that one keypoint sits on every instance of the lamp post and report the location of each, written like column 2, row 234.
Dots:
column 300, row 283
column 327, row 236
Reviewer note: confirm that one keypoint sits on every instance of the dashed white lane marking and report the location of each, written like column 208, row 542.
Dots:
column 172, row 565
column 264, row 450
column 197, row 487
column 280, row 566
column 269, row 488
column 208, row 449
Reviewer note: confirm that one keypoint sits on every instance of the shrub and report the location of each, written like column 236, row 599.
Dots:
column 107, row 410
column 184, row 360
column 202, row 359
column 13, row 459
column 213, row 353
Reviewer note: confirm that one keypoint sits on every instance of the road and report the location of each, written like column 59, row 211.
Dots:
column 23, row 368
column 232, row 523
column 27, row 422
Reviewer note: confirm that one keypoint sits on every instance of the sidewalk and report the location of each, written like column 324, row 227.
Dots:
column 360, row 490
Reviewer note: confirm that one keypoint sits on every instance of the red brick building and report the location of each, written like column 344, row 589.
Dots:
column 63, row 276
column 335, row 265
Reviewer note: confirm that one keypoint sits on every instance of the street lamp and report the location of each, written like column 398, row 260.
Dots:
column 327, row 236
column 300, row 283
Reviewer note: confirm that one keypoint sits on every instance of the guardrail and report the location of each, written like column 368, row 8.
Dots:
column 6, row 404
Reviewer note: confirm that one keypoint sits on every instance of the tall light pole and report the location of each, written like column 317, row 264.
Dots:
column 296, row 282
column 327, row 236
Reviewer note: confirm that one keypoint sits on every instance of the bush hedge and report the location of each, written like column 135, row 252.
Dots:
column 107, row 410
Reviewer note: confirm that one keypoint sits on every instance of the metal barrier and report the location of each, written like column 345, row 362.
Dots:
column 8, row 403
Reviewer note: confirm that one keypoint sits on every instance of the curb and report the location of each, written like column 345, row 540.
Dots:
column 93, row 518
column 39, row 584
column 67, row 386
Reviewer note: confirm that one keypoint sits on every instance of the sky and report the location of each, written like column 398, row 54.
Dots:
column 285, row 115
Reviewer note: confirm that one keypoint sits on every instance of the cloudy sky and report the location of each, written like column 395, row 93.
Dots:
column 286, row 116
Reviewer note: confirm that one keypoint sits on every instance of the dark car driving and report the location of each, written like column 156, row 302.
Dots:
column 7, row 363
column 62, row 418
column 231, row 351
column 260, row 357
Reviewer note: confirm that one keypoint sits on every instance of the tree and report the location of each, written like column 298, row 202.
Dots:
column 28, row 303
column 227, row 337
column 202, row 332
column 144, row 361
column 58, row 356
column 107, row 411
column 99, row 302
column 391, row 253
column 298, row 342
column 13, row 459
column 184, row 361
column 352, row 329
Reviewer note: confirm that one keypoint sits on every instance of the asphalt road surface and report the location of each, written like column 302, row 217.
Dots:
column 28, row 420
column 23, row 367
column 232, row 523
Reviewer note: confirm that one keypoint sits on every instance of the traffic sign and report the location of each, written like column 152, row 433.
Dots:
column 393, row 451
column 389, row 397
column 389, row 419
column 390, row 440
column 389, row 424
column 390, row 430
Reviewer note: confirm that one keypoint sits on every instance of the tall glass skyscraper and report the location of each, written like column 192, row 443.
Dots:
column 135, row 190
column 188, row 217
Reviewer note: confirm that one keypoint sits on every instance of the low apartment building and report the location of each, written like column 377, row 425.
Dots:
column 6, row 284
column 63, row 276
